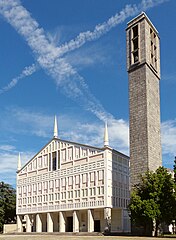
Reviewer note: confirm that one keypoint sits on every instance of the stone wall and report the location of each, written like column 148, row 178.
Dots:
column 10, row 228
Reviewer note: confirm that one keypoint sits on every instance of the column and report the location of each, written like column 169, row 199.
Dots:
column 28, row 223
column 107, row 218
column 34, row 223
column 49, row 222
column 90, row 220
column 61, row 222
column 122, row 220
column 38, row 222
column 75, row 221
column 19, row 223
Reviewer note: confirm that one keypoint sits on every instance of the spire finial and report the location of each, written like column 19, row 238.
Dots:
column 55, row 127
column 106, row 139
column 19, row 162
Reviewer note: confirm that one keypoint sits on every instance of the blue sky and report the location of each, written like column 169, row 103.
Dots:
column 84, row 82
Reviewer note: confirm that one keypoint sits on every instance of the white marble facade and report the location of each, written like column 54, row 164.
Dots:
column 71, row 187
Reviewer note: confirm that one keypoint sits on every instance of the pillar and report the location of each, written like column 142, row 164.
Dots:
column 75, row 221
column 38, row 222
column 62, row 223
column 107, row 218
column 19, row 223
column 49, row 222
column 28, row 223
column 90, row 220
column 122, row 220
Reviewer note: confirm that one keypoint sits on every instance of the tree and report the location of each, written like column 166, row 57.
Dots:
column 153, row 200
column 174, row 229
column 175, row 170
column 1, row 218
column 7, row 204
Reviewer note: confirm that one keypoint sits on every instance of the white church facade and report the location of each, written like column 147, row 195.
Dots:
column 72, row 187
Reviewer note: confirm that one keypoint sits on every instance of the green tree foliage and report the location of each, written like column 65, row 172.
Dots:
column 1, row 218
column 153, row 200
column 7, row 204
column 175, row 170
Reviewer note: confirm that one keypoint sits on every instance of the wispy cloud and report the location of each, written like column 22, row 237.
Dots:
column 118, row 133
column 8, row 164
column 27, row 71
column 101, row 29
column 168, row 139
column 9, row 161
column 168, row 130
column 170, row 78
column 48, row 56
column 72, row 127
column 6, row 147
column 90, row 56
column 28, row 122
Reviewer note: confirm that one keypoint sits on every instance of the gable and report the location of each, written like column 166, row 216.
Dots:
column 58, row 154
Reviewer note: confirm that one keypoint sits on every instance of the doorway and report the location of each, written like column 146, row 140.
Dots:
column 69, row 227
column 97, row 226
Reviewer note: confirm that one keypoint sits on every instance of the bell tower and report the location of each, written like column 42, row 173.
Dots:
column 143, row 66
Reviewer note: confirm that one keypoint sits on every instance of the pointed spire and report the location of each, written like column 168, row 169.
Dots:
column 106, row 139
column 19, row 162
column 55, row 128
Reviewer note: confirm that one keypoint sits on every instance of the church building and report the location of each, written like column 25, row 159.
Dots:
column 73, row 187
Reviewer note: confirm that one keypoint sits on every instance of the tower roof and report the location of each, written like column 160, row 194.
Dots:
column 138, row 18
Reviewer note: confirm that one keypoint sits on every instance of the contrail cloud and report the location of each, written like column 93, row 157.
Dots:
column 27, row 71
column 101, row 29
column 50, row 57
column 66, row 77
column 83, row 37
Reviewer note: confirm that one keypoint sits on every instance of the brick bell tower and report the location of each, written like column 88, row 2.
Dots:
column 143, row 66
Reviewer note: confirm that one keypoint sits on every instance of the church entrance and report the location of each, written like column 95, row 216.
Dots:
column 69, row 227
column 97, row 226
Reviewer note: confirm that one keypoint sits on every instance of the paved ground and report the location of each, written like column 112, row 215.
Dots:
column 58, row 237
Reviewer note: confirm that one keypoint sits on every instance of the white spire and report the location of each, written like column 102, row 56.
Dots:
column 106, row 139
column 19, row 162
column 55, row 128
